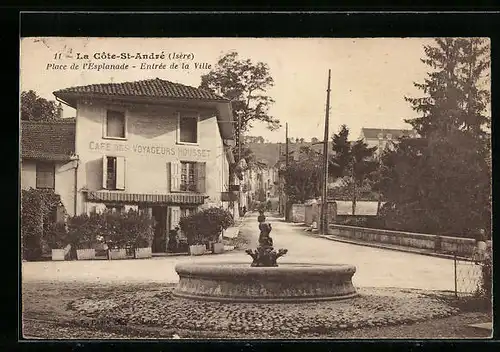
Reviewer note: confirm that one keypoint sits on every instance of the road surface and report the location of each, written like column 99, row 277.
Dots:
column 374, row 267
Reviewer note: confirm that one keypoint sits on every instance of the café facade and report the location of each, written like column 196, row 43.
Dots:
column 153, row 145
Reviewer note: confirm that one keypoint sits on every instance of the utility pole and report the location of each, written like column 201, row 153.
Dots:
column 324, row 204
column 286, row 168
column 239, row 162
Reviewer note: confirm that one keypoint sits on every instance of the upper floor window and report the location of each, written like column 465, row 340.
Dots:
column 188, row 182
column 115, row 124
column 113, row 170
column 187, row 129
column 45, row 175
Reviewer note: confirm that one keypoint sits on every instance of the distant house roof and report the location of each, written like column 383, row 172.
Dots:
column 51, row 140
column 363, row 208
column 152, row 88
column 373, row 133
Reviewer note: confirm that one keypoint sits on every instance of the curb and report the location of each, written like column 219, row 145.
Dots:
column 399, row 249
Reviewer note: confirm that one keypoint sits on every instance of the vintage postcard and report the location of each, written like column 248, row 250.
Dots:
column 255, row 188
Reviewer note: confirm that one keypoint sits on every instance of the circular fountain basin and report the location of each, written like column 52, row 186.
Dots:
column 290, row 282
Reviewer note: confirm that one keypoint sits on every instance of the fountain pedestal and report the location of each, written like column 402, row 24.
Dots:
column 263, row 281
column 237, row 282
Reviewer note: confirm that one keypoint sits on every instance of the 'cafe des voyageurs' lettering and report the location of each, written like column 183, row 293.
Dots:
column 151, row 150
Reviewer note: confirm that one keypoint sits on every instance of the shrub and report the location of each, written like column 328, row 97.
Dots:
column 118, row 230
column 37, row 206
column 136, row 229
column 84, row 230
column 205, row 225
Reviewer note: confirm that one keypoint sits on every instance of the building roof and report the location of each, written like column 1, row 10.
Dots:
column 151, row 88
column 372, row 133
column 50, row 140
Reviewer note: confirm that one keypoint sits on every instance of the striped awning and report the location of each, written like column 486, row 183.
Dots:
column 170, row 198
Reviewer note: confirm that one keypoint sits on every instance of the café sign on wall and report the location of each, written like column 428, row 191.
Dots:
column 177, row 151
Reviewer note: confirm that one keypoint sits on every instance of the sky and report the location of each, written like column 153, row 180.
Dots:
column 369, row 76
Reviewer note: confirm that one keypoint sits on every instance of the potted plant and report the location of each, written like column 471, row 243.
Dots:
column 139, row 233
column 206, row 227
column 216, row 221
column 131, row 231
column 82, row 232
column 57, row 238
column 192, row 227
column 117, row 239
column 142, row 249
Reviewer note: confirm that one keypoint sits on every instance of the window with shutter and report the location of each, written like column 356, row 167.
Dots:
column 113, row 173
column 175, row 176
column 120, row 173
column 105, row 172
column 188, row 176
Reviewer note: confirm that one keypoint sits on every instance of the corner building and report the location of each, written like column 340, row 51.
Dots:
column 152, row 145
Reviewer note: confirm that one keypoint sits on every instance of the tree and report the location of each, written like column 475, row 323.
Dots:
column 303, row 177
column 245, row 83
column 354, row 163
column 456, row 95
column 437, row 185
column 440, row 183
column 36, row 108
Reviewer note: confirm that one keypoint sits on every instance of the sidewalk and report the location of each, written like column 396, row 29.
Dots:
column 388, row 246
column 233, row 231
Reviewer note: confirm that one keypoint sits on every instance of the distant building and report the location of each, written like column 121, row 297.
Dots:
column 265, row 183
column 48, row 159
column 382, row 137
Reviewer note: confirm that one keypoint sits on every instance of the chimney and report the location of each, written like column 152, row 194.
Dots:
column 59, row 111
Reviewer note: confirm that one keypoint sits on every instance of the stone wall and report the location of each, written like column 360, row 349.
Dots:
column 298, row 213
column 307, row 213
column 445, row 244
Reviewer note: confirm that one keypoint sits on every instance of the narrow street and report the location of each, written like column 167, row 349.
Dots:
column 375, row 267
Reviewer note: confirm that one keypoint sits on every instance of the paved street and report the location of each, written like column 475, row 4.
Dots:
column 375, row 267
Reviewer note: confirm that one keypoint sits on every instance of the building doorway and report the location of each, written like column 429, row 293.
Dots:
column 160, row 229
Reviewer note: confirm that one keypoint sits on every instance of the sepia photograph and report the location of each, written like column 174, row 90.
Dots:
column 255, row 188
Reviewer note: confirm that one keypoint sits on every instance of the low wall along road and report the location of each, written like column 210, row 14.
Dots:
column 464, row 247
column 460, row 246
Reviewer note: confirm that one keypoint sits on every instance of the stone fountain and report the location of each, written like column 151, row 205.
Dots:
column 263, row 281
